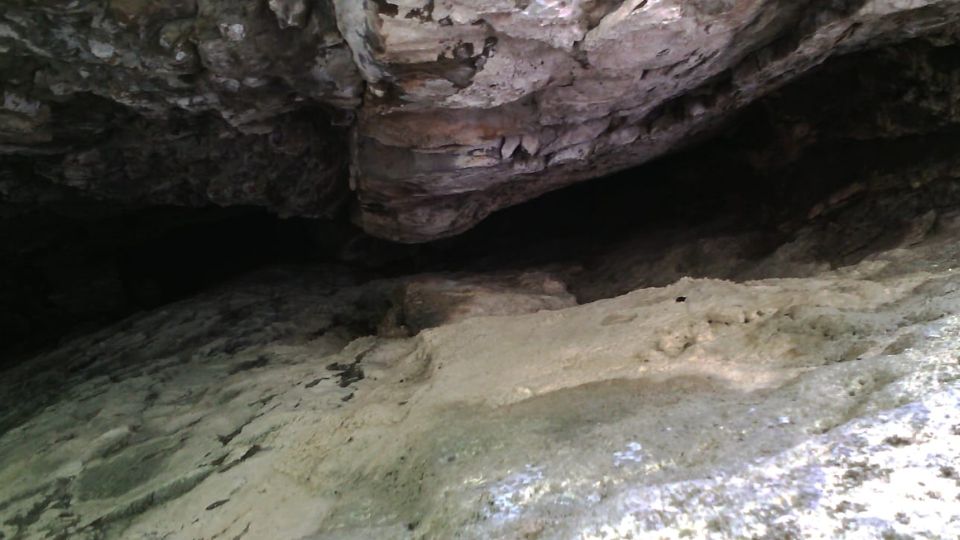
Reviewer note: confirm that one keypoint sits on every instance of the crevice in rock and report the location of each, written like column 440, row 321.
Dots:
column 848, row 136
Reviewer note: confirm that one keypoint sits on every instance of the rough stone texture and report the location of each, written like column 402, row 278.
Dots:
column 573, row 90
column 876, row 122
column 819, row 407
column 446, row 110
column 185, row 102
column 879, row 125
column 430, row 301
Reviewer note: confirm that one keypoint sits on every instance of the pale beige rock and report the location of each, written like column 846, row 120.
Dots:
column 811, row 406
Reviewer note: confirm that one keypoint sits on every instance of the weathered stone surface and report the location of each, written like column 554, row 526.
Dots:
column 820, row 407
column 445, row 110
column 430, row 301
column 181, row 102
column 565, row 91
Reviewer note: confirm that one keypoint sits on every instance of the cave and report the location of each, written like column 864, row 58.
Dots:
column 427, row 269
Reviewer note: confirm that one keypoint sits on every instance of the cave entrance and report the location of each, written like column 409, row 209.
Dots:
column 859, row 155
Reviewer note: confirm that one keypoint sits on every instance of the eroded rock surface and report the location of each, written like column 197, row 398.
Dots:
column 429, row 301
column 565, row 91
column 820, row 406
column 435, row 112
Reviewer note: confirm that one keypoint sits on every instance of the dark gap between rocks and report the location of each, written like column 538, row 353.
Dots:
column 849, row 136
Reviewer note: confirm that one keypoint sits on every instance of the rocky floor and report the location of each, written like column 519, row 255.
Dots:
column 303, row 404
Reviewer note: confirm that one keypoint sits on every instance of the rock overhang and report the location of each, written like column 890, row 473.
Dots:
column 434, row 112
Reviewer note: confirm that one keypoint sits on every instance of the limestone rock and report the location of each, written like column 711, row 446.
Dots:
column 430, row 301
column 588, row 87
column 435, row 112
column 819, row 407
column 181, row 102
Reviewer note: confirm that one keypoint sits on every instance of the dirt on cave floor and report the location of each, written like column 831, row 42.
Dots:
column 775, row 395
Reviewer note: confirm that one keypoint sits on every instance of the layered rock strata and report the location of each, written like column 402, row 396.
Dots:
column 434, row 112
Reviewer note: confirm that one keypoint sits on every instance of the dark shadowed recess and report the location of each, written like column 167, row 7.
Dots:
column 83, row 264
column 876, row 128
column 872, row 133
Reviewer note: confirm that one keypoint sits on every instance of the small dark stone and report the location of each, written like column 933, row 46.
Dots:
column 896, row 440
column 681, row 299
column 260, row 362
column 348, row 373
column 315, row 382
column 217, row 504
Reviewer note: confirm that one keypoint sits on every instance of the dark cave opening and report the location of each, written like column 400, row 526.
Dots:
column 847, row 135
column 86, row 265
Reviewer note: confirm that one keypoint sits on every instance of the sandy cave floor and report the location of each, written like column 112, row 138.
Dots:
column 818, row 407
